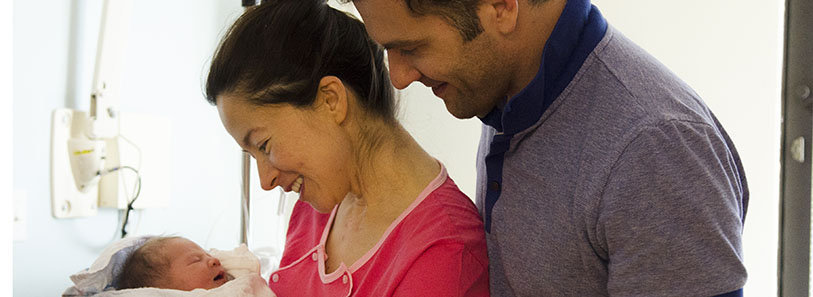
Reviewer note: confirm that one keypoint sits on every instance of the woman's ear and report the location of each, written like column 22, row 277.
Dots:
column 333, row 96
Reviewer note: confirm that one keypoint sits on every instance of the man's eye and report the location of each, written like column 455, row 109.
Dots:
column 407, row 52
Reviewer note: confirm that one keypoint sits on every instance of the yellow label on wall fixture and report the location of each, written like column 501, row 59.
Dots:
column 83, row 152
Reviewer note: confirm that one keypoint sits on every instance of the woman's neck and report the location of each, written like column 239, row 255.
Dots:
column 392, row 170
column 389, row 174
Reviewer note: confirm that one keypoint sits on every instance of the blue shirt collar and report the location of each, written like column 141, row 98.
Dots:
column 577, row 32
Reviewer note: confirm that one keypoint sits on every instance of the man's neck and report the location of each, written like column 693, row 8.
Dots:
column 534, row 28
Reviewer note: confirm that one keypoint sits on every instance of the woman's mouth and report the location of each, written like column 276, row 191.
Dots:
column 297, row 185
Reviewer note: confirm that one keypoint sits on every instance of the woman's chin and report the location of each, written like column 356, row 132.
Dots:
column 320, row 205
column 323, row 209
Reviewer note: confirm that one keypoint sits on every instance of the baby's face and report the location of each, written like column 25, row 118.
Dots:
column 191, row 267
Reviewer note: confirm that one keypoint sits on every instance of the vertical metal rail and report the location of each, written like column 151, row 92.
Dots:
column 245, row 198
column 245, row 186
column 797, row 115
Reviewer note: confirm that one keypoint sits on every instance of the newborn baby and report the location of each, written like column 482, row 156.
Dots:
column 172, row 263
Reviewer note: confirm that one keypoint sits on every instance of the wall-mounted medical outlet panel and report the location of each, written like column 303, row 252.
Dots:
column 144, row 144
column 74, row 192
column 81, row 175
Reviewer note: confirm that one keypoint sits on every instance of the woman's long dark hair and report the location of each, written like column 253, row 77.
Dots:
column 278, row 51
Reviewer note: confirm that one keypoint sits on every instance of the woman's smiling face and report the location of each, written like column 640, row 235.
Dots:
column 300, row 149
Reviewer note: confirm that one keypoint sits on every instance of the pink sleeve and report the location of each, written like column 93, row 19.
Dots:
column 445, row 270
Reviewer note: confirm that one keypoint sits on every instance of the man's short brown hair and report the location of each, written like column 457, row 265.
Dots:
column 461, row 14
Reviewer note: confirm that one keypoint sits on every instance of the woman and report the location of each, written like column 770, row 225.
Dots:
column 303, row 89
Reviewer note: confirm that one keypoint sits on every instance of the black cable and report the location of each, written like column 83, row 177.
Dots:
column 129, row 203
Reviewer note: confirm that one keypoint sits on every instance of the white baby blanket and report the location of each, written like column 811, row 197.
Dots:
column 238, row 262
column 99, row 279
column 244, row 286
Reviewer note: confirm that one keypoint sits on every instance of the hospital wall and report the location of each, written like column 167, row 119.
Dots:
column 170, row 44
column 730, row 52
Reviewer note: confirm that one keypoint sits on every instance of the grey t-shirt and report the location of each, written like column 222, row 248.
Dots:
column 626, row 186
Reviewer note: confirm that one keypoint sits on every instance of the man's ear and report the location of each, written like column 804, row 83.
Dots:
column 334, row 97
column 501, row 14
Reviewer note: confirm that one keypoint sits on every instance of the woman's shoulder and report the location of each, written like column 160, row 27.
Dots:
column 445, row 222
column 446, row 215
column 453, row 205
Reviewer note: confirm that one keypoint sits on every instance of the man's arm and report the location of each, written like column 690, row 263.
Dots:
column 670, row 216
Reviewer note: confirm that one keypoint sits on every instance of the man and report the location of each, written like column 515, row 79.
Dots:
column 600, row 173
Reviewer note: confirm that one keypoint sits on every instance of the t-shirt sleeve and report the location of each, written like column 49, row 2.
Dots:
column 446, row 270
column 671, row 215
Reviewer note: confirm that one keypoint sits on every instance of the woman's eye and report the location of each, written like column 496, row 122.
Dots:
column 263, row 147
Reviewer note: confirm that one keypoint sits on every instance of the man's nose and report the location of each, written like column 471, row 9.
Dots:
column 402, row 73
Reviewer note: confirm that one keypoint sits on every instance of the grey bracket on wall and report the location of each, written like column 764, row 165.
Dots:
column 797, row 109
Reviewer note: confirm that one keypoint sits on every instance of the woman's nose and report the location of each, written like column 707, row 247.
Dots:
column 402, row 74
column 268, row 174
